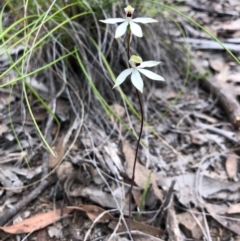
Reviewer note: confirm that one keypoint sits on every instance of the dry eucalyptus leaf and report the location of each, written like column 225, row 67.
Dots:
column 189, row 225
column 141, row 172
column 147, row 229
column 140, row 236
column 94, row 213
column 59, row 151
column 230, row 223
column 208, row 188
column 231, row 165
column 36, row 222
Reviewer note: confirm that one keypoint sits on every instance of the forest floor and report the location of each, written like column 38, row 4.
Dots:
column 189, row 155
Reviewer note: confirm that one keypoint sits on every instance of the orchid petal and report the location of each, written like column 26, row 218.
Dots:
column 151, row 75
column 150, row 63
column 121, row 29
column 144, row 20
column 137, row 80
column 113, row 20
column 136, row 29
column 123, row 75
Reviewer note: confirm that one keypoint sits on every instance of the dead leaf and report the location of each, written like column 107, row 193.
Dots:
column 230, row 223
column 94, row 212
column 235, row 208
column 36, row 222
column 151, row 230
column 140, row 236
column 141, row 172
column 188, row 223
column 231, row 165
column 209, row 188
column 59, row 151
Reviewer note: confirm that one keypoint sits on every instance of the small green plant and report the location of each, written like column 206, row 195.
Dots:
column 136, row 66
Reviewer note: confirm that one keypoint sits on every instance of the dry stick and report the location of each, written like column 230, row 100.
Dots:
column 128, row 37
column 5, row 217
column 227, row 100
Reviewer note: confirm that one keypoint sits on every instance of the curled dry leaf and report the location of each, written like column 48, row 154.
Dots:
column 231, row 165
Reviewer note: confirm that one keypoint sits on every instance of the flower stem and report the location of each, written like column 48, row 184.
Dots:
column 136, row 153
column 128, row 38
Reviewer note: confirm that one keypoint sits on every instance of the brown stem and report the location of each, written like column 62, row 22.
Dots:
column 136, row 153
column 128, row 37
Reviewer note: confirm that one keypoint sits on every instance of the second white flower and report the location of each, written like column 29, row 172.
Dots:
column 138, row 67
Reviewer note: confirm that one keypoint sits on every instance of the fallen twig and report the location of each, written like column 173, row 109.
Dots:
column 226, row 100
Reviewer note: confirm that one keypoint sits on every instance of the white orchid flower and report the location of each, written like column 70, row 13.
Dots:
column 138, row 67
column 122, row 28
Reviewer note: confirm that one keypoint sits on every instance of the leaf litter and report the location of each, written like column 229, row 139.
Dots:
column 95, row 174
